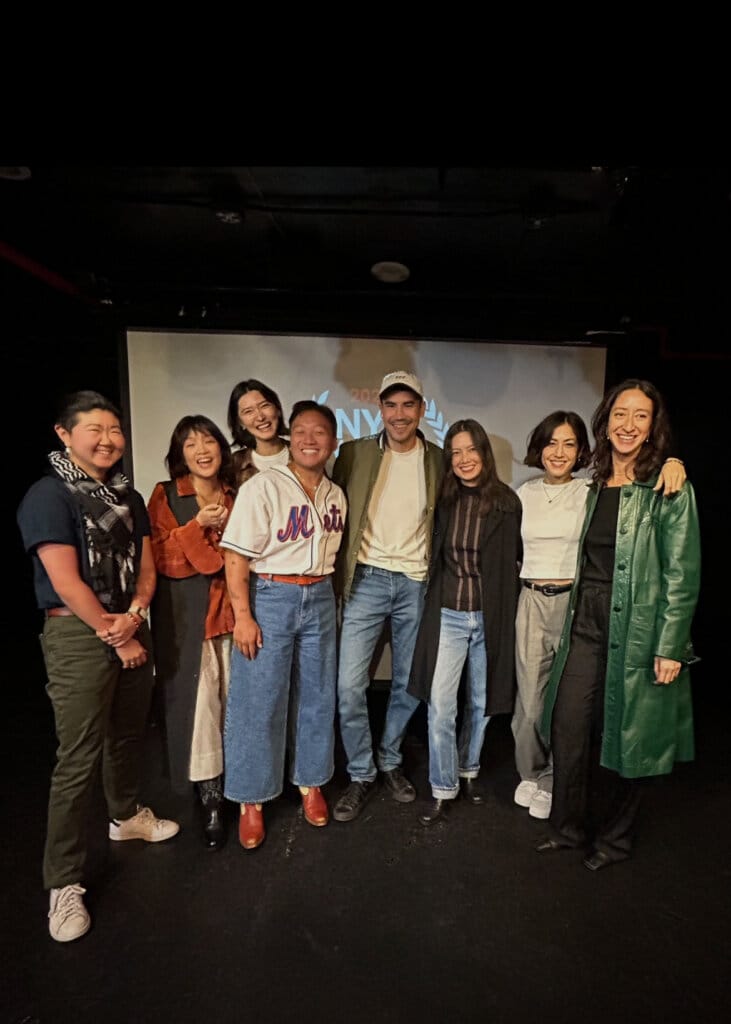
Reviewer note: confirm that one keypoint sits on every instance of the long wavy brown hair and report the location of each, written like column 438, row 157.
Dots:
column 653, row 452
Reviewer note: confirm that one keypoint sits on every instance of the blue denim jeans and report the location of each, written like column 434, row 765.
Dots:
column 285, row 697
column 461, row 638
column 376, row 595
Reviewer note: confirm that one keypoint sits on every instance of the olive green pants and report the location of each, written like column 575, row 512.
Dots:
column 100, row 711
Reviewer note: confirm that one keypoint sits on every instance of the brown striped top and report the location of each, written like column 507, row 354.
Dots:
column 461, row 580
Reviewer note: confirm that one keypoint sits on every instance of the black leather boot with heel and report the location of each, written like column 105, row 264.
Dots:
column 212, row 801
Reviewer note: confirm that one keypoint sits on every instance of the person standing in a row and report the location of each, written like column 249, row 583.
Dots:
column 618, row 703
column 469, row 614
column 280, row 546
column 192, row 618
column 87, row 532
column 391, row 481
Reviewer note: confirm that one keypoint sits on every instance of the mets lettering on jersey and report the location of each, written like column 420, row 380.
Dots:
column 275, row 524
column 297, row 523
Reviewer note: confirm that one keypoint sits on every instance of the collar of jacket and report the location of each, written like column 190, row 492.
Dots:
column 382, row 439
column 635, row 483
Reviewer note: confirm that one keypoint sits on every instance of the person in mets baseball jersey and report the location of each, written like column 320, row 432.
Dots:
column 280, row 545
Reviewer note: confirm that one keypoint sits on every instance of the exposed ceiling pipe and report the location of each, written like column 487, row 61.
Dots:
column 49, row 277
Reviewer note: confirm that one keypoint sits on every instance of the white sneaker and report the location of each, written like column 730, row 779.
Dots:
column 144, row 825
column 525, row 792
column 68, row 918
column 540, row 805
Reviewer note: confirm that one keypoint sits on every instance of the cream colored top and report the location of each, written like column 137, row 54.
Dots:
column 276, row 525
column 280, row 458
column 552, row 519
column 395, row 537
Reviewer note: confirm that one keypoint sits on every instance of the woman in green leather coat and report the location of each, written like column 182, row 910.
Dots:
column 620, row 680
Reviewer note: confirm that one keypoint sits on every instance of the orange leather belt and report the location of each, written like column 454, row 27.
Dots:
column 51, row 612
column 301, row 581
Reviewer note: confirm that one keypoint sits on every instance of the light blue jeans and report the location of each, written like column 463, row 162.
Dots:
column 376, row 595
column 285, row 697
column 461, row 638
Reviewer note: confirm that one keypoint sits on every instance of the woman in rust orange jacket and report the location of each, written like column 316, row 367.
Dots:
column 192, row 619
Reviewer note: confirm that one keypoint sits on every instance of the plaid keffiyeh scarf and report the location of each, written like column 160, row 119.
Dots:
column 107, row 520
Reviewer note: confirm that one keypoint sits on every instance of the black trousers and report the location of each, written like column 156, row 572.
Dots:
column 590, row 804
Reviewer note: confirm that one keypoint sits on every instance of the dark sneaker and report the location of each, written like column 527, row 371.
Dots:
column 399, row 786
column 353, row 800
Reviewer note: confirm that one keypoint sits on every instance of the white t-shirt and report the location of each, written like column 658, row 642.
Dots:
column 394, row 537
column 280, row 458
column 553, row 515
column 274, row 523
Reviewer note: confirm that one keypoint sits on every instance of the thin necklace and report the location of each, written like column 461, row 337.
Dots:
column 311, row 491
column 558, row 488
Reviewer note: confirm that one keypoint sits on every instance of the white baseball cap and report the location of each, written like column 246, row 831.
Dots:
column 401, row 379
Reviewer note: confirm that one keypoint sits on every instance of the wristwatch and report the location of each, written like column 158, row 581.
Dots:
column 138, row 610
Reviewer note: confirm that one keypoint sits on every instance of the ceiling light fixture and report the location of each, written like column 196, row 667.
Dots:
column 229, row 216
column 15, row 173
column 390, row 272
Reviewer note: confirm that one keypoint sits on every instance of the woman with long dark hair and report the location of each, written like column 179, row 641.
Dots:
column 192, row 617
column 469, row 613
column 258, row 429
column 618, row 702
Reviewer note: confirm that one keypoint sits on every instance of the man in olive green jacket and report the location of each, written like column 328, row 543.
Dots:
column 391, row 482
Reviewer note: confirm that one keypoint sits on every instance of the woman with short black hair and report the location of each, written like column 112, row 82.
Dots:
column 87, row 532
column 192, row 618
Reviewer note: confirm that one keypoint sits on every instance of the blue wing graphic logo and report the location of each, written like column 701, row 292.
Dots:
column 436, row 421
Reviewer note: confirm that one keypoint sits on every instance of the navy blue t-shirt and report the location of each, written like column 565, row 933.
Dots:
column 48, row 514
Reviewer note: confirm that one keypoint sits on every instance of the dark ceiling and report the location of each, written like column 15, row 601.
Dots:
column 537, row 250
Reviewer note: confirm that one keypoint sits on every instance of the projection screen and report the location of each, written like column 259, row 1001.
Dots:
column 508, row 387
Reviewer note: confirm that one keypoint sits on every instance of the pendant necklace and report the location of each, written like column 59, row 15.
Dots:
column 558, row 488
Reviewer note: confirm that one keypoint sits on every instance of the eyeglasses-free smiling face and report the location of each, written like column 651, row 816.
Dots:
column 258, row 415
column 401, row 412
column 202, row 454
column 559, row 456
column 311, row 440
column 630, row 422
column 466, row 459
column 95, row 442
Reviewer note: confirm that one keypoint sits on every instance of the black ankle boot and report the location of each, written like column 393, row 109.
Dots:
column 212, row 802
column 436, row 811
column 471, row 791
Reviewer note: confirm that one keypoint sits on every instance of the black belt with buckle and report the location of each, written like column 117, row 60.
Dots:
column 549, row 589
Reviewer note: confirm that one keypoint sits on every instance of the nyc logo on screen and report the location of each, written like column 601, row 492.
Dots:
column 360, row 421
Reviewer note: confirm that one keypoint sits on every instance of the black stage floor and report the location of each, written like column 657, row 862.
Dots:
column 379, row 920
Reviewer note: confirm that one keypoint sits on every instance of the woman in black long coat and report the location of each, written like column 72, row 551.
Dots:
column 469, row 613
